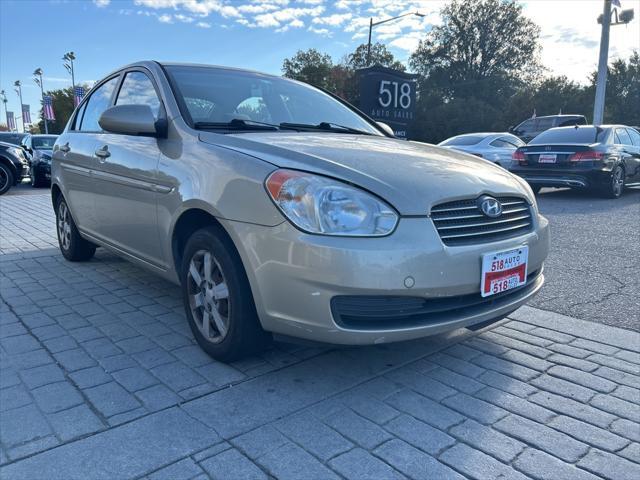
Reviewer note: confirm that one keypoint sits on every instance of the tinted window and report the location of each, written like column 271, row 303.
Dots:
column 464, row 140
column 137, row 89
column 623, row 136
column 635, row 136
column 563, row 122
column 221, row 95
column 525, row 127
column 584, row 135
column 507, row 142
column 544, row 124
column 99, row 101
column 14, row 138
column 43, row 143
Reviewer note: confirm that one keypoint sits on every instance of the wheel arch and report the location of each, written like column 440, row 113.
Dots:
column 56, row 193
column 10, row 165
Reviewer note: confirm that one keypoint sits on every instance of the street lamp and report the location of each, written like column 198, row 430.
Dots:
column 601, row 84
column 4, row 102
column 68, row 58
column 37, row 77
column 18, row 89
column 374, row 24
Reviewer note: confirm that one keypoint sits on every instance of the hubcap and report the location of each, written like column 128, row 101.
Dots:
column 208, row 296
column 64, row 226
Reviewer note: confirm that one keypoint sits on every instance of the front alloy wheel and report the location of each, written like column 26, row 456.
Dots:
column 208, row 296
column 217, row 297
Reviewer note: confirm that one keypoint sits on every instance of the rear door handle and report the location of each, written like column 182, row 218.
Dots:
column 65, row 148
column 103, row 153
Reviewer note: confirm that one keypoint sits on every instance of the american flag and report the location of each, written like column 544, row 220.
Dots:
column 11, row 121
column 78, row 95
column 26, row 113
column 47, row 103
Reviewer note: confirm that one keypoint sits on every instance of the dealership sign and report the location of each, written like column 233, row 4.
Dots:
column 389, row 96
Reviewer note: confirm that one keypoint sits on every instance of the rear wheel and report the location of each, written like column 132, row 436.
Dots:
column 218, row 299
column 6, row 178
column 615, row 185
column 73, row 247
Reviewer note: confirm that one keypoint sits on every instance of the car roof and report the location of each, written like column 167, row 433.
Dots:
column 40, row 135
column 560, row 115
column 150, row 64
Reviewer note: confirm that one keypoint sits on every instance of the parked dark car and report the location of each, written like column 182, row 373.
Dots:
column 601, row 158
column 13, row 138
column 13, row 166
column 39, row 148
column 532, row 127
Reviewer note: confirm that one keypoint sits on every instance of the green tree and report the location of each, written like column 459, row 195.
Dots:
column 482, row 48
column 380, row 56
column 62, row 108
column 309, row 66
column 622, row 101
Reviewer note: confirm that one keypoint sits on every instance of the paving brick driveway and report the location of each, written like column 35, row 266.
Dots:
column 101, row 379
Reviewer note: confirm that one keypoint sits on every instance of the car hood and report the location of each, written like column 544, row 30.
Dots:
column 412, row 176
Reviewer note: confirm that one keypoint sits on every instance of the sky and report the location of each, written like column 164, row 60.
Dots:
column 256, row 34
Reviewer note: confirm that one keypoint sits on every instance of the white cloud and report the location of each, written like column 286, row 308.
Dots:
column 101, row 3
column 333, row 20
column 325, row 32
column 165, row 18
column 203, row 25
column 183, row 18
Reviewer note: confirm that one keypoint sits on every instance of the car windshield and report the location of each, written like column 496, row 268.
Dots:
column 463, row 140
column 43, row 143
column 216, row 96
column 584, row 135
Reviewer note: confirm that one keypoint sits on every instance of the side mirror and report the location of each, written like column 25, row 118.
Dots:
column 129, row 120
column 387, row 129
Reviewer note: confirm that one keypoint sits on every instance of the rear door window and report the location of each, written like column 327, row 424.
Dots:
column 635, row 136
column 99, row 101
column 622, row 137
column 543, row 124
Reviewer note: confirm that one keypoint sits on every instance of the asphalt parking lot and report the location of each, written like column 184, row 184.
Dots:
column 100, row 378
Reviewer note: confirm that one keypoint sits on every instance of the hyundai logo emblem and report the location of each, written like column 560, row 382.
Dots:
column 490, row 206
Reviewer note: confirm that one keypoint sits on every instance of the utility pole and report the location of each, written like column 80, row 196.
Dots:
column 601, row 83
column 18, row 86
column 4, row 102
column 38, row 79
column 622, row 18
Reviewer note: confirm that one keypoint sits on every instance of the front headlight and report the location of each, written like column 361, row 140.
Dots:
column 321, row 205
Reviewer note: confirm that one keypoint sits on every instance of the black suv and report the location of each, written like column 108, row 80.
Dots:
column 14, row 166
column 533, row 127
column 39, row 148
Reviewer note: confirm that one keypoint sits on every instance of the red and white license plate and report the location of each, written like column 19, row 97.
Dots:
column 547, row 158
column 502, row 271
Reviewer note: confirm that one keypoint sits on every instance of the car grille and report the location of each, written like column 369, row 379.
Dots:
column 462, row 222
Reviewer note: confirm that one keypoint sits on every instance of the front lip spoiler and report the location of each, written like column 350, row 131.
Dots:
column 560, row 181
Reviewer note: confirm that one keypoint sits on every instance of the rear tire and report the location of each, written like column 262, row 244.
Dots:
column 217, row 297
column 6, row 179
column 615, row 185
column 73, row 247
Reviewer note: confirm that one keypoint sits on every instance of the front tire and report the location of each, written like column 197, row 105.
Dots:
column 218, row 299
column 6, row 179
column 73, row 247
column 615, row 185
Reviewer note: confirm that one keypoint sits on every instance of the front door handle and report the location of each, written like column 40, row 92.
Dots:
column 103, row 153
column 65, row 148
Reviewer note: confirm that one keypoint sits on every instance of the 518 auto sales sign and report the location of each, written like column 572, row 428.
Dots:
column 389, row 96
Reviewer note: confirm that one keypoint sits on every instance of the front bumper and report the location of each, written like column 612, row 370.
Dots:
column 42, row 170
column 295, row 278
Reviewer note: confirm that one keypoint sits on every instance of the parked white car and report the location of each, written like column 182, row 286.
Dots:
column 495, row 147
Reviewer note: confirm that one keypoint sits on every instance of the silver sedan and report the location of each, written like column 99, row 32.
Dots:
column 495, row 147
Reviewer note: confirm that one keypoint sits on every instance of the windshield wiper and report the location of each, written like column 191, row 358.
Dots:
column 236, row 124
column 325, row 126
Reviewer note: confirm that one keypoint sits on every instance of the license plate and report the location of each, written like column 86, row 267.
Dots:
column 502, row 271
column 547, row 158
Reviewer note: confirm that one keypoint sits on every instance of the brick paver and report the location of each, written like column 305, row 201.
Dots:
column 101, row 378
